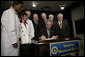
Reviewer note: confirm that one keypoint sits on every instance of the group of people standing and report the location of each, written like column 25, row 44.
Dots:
column 18, row 31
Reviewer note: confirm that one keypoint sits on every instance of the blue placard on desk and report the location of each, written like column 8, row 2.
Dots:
column 64, row 48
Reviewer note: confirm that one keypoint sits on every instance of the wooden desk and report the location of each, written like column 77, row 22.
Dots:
column 42, row 47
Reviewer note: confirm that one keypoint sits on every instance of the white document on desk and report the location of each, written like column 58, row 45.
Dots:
column 49, row 39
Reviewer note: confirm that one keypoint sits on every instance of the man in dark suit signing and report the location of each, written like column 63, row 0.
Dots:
column 62, row 26
column 48, row 32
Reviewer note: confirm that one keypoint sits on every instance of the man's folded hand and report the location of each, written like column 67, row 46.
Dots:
column 42, row 37
column 15, row 45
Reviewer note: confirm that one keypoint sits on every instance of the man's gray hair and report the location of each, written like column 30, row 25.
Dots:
column 60, row 14
column 43, row 14
column 49, row 21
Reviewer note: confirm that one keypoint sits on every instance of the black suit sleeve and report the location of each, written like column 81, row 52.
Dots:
column 56, row 31
column 41, row 32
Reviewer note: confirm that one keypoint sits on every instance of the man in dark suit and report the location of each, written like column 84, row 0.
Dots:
column 48, row 32
column 42, row 21
column 62, row 26
column 36, row 26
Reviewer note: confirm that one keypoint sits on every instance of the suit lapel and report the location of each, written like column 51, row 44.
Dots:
column 62, row 24
column 24, row 28
column 58, row 25
column 28, row 29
